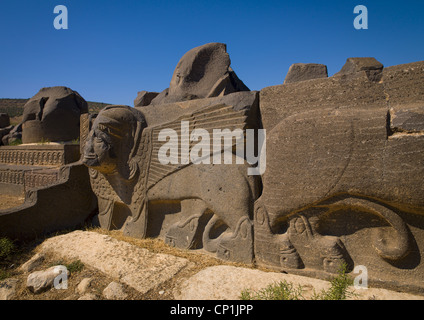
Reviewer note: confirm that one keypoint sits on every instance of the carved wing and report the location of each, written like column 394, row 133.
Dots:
column 219, row 116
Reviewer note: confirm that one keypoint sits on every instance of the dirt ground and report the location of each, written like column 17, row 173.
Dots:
column 8, row 201
column 197, row 261
column 100, row 281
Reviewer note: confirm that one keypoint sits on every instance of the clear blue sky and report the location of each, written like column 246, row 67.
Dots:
column 113, row 49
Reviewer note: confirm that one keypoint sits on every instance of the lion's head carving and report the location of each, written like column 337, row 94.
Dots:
column 113, row 140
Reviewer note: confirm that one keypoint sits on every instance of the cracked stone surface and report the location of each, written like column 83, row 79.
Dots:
column 134, row 266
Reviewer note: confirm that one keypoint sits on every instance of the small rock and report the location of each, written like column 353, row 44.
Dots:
column 40, row 281
column 84, row 285
column 161, row 292
column 8, row 288
column 89, row 296
column 115, row 291
column 32, row 263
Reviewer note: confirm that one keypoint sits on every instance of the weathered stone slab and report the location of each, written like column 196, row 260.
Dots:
column 134, row 266
column 227, row 283
column 305, row 71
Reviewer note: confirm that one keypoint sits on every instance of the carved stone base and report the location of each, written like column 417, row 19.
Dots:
column 238, row 245
column 185, row 235
column 351, row 231
column 64, row 204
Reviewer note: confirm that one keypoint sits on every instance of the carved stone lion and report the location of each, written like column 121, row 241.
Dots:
column 122, row 153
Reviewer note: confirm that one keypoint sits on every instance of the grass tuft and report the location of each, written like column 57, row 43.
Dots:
column 339, row 289
column 75, row 266
column 7, row 247
column 4, row 274
column 16, row 142
column 283, row 290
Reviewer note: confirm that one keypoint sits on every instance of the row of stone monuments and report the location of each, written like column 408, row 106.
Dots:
column 342, row 183
column 45, row 169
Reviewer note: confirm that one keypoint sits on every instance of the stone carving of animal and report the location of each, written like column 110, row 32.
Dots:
column 121, row 152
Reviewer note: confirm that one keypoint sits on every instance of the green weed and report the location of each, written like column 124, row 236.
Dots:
column 339, row 290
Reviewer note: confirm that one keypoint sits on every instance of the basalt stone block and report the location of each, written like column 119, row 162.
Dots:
column 246, row 100
column 409, row 121
column 53, row 114
column 343, row 183
column 305, row 71
column 279, row 102
column 370, row 66
column 201, row 73
column 144, row 98
column 55, row 187
column 40, row 154
column 64, row 202
column 404, row 84
column 4, row 120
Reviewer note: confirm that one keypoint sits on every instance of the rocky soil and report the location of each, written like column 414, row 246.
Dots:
column 105, row 265
column 10, row 201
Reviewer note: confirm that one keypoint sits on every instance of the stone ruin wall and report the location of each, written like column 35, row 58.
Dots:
column 345, row 148
column 44, row 185
column 344, row 170
column 23, row 165
column 343, row 183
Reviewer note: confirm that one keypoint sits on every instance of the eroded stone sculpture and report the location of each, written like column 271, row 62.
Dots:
column 203, row 72
column 345, row 165
column 49, row 185
column 54, row 187
column 136, row 191
column 53, row 114
column 344, row 168
column 127, row 177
